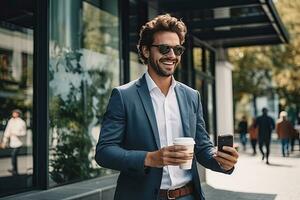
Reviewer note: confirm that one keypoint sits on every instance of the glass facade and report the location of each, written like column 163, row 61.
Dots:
column 210, row 109
column 197, row 58
column 83, row 69
column 84, row 55
column 203, row 61
column 16, row 97
column 136, row 68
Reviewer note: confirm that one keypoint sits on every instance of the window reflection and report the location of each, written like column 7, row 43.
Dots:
column 16, row 90
column 204, row 84
column 210, row 108
column 197, row 58
column 137, row 69
column 83, row 69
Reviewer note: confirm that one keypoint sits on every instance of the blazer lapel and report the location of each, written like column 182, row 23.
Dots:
column 183, row 107
column 144, row 94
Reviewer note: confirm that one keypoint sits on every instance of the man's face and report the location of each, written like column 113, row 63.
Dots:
column 164, row 64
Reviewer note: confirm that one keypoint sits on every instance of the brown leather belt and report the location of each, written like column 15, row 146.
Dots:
column 176, row 193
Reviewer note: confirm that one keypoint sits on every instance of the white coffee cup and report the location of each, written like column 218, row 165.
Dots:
column 189, row 143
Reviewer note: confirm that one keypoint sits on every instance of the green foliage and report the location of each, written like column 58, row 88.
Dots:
column 70, row 157
column 286, row 58
column 80, row 83
column 259, row 70
column 71, row 115
column 252, row 73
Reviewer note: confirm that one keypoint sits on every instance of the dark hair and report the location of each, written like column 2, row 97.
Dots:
column 16, row 111
column 160, row 23
column 265, row 110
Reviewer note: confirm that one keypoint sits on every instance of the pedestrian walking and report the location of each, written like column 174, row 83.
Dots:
column 253, row 132
column 144, row 117
column 15, row 128
column 243, row 129
column 285, row 131
column 265, row 125
column 294, row 137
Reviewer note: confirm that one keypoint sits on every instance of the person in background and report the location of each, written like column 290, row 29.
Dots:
column 243, row 129
column 297, row 132
column 253, row 132
column 15, row 128
column 285, row 131
column 265, row 125
column 294, row 137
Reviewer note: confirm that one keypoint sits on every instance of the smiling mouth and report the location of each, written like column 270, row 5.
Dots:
column 168, row 62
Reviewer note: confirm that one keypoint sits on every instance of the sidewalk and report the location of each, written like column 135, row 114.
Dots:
column 254, row 180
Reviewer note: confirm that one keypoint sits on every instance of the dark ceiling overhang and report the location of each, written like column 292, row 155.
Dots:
column 17, row 12
column 241, row 22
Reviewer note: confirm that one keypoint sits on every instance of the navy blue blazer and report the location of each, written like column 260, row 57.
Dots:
column 129, row 130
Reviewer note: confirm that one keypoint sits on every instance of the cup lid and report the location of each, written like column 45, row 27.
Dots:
column 184, row 140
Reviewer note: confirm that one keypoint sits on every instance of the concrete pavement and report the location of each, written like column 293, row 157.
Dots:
column 254, row 180
column 25, row 165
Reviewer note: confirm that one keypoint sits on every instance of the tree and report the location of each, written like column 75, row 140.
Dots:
column 252, row 74
column 286, row 58
column 259, row 69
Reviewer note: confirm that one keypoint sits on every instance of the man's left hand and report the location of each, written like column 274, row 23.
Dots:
column 227, row 160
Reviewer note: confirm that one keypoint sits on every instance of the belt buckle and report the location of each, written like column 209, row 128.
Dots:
column 168, row 195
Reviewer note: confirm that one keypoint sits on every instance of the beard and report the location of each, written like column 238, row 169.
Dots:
column 160, row 71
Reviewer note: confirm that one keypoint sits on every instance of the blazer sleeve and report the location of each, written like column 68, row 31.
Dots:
column 204, row 149
column 109, row 151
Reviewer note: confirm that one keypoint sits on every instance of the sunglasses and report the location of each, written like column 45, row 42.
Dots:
column 165, row 49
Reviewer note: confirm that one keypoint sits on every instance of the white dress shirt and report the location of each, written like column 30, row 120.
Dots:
column 15, row 127
column 169, row 125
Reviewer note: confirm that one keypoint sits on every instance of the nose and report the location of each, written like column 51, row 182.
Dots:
column 171, row 53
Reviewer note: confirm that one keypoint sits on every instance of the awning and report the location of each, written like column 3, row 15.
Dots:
column 229, row 23
column 17, row 12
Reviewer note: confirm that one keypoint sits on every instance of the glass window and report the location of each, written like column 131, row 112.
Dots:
column 202, row 59
column 197, row 58
column 83, row 69
column 136, row 68
column 209, row 66
column 180, row 72
column 16, row 93
column 203, row 66
column 199, row 82
column 210, row 109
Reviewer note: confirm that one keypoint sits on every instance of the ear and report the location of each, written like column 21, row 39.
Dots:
column 145, row 51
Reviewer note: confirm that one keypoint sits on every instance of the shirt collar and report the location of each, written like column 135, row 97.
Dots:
column 173, row 83
column 151, row 84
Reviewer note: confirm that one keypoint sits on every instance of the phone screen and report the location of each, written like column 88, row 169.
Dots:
column 225, row 140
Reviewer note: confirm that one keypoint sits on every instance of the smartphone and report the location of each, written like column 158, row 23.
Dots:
column 225, row 140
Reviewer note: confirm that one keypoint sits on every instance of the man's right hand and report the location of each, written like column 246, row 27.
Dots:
column 171, row 155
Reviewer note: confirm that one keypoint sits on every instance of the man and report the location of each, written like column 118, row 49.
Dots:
column 265, row 125
column 243, row 129
column 285, row 131
column 144, row 116
column 15, row 127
